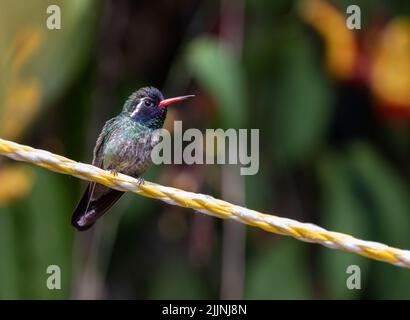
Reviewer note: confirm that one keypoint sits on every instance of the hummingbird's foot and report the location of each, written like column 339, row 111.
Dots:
column 140, row 180
column 114, row 172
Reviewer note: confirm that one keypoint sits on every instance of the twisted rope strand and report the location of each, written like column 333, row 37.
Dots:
column 208, row 205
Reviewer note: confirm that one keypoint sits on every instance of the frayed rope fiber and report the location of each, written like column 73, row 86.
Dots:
column 208, row 205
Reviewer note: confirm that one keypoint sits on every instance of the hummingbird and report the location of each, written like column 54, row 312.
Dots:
column 124, row 145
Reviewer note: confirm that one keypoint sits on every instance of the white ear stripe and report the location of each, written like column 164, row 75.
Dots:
column 137, row 107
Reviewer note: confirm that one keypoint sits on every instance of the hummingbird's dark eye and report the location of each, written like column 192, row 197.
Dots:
column 148, row 103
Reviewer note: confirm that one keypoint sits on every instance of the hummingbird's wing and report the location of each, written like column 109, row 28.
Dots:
column 97, row 199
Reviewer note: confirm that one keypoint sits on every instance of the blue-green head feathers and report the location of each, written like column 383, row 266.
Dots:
column 143, row 106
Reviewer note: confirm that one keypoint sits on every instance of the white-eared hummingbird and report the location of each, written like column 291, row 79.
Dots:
column 124, row 145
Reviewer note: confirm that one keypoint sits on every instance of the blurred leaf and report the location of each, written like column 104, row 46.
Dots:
column 259, row 192
column 219, row 72
column 342, row 211
column 362, row 196
column 279, row 272
column 177, row 281
column 48, row 235
column 301, row 102
column 390, row 205
column 9, row 280
column 388, row 193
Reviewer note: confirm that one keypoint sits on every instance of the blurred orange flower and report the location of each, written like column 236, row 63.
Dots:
column 378, row 57
column 340, row 42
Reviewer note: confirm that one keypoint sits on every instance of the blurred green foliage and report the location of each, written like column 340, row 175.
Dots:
column 220, row 73
column 34, row 230
column 327, row 154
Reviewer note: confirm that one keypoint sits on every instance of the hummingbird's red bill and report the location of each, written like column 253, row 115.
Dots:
column 167, row 102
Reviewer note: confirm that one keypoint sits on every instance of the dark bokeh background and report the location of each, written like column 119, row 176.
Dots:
column 332, row 106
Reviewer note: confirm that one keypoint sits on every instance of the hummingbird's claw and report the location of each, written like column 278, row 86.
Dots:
column 140, row 180
column 114, row 172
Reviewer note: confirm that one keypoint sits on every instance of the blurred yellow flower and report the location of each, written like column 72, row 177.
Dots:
column 16, row 182
column 390, row 76
column 22, row 96
column 21, row 103
column 25, row 43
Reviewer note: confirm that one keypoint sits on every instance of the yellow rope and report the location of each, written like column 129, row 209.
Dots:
column 208, row 205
